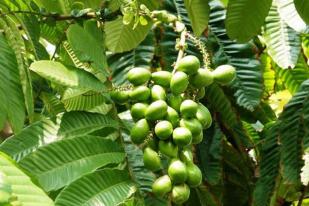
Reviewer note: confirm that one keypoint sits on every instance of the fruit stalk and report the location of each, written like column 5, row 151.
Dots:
column 181, row 47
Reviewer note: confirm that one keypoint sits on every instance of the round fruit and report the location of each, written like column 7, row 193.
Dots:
column 180, row 194
column 188, row 108
column 186, row 155
column 151, row 159
column 164, row 129
column 188, row 64
column 175, row 101
column 203, row 115
column 140, row 131
column 202, row 78
column 168, row 148
column 156, row 110
column 194, row 178
column 162, row 186
column 182, row 136
column 172, row 116
column 224, row 74
column 138, row 76
column 120, row 97
column 162, row 78
column 201, row 93
column 196, row 139
column 179, row 83
column 157, row 93
column 177, row 171
column 193, row 125
column 138, row 110
column 140, row 93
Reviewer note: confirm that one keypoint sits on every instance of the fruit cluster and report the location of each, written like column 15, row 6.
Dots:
column 168, row 120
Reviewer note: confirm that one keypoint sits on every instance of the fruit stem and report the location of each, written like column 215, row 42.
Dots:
column 181, row 47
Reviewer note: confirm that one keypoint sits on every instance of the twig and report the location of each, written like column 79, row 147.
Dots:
column 181, row 46
column 301, row 198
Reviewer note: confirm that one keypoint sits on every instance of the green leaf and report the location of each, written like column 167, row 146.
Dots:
column 59, row 6
column 302, row 7
column 28, row 194
column 198, row 11
column 52, row 104
column 121, row 38
column 245, row 18
column 66, row 76
column 97, row 189
column 60, row 163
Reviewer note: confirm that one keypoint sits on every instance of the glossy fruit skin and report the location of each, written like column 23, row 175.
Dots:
column 138, row 110
column 175, row 101
column 188, row 108
column 180, row 194
column 140, row 93
column 193, row 125
column 188, row 64
column 162, row 78
column 179, row 83
column 140, row 131
column 162, row 186
column 120, row 97
column 196, row 139
column 157, row 110
column 164, row 129
column 202, row 78
column 158, row 93
column 224, row 74
column 172, row 116
column 138, row 76
column 182, row 136
column 186, row 155
column 151, row 159
column 177, row 171
column 168, row 148
column 194, row 178
column 203, row 115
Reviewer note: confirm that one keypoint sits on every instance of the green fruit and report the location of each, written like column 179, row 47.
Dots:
column 182, row 136
column 188, row 108
column 224, row 74
column 140, row 131
column 158, row 93
column 164, row 129
column 140, row 93
column 162, row 186
column 203, row 115
column 162, row 78
column 156, row 110
column 194, row 178
column 138, row 76
column 201, row 93
column 175, row 101
column 196, row 139
column 186, row 155
column 120, row 97
column 138, row 110
column 151, row 159
column 188, row 64
column 180, row 194
column 202, row 78
column 193, row 125
column 179, row 83
column 177, row 171
column 168, row 148
column 172, row 116
column 5, row 189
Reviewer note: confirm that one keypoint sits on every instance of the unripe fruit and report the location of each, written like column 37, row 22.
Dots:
column 194, row 178
column 140, row 93
column 180, row 194
column 203, row 115
column 172, row 116
column 120, row 97
column 188, row 64
column 162, row 186
column 186, row 155
column 151, row 159
column 164, row 129
column 193, row 125
column 188, row 108
column 140, row 131
column 138, row 76
column 196, row 139
column 175, row 101
column 162, row 78
column 168, row 148
column 202, row 78
column 224, row 74
column 182, row 136
column 179, row 83
column 138, row 110
column 200, row 94
column 158, row 93
column 177, row 171
column 156, row 110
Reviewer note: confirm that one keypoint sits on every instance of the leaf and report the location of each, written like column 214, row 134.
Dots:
column 66, row 76
column 28, row 194
column 302, row 7
column 283, row 43
column 248, row 15
column 198, row 11
column 97, row 189
column 121, row 38
column 59, row 6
